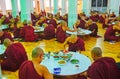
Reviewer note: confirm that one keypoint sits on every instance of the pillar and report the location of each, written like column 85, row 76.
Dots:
column 63, row 7
column 72, row 13
column 86, row 7
column 25, row 10
column 42, row 5
column 15, row 11
column 50, row 5
column 3, row 7
column 112, row 8
column 31, row 6
column 55, row 6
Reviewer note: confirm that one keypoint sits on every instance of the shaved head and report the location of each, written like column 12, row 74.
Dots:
column 97, row 51
column 37, row 52
column 7, row 42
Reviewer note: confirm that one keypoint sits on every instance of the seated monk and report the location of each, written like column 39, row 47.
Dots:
column 28, row 33
column 102, row 67
column 4, row 35
column 75, row 43
column 61, row 31
column 49, row 31
column 17, row 29
column 82, row 22
column 92, row 27
column 112, row 15
column 33, row 69
column 14, row 55
column 110, row 34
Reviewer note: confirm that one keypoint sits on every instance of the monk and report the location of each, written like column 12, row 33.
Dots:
column 49, row 31
column 92, row 27
column 82, row 22
column 14, row 55
column 112, row 15
column 61, row 31
column 110, row 33
column 33, row 69
column 75, row 43
column 17, row 29
column 4, row 35
column 102, row 67
column 28, row 33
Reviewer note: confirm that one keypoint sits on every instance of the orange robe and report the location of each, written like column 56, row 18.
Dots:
column 27, row 71
column 14, row 56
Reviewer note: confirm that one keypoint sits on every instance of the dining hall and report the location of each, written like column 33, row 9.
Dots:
column 59, row 39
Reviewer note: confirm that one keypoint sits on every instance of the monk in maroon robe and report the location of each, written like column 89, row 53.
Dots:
column 61, row 31
column 28, row 33
column 82, row 24
column 33, row 69
column 16, row 31
column 93, row 28
column 110, row 33
column 4, row 35
column 102, row 67
column 49, row 31
column 14, row 56
column 1, row 15
column 75, row 43
column 102, row 18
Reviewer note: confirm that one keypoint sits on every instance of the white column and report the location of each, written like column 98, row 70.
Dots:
column 42, row 5
column 114, row 8
column 50, row 5
column 3, row 6
column 86, row 7
column 31, row 6
column 15, row 11
column 63, row 7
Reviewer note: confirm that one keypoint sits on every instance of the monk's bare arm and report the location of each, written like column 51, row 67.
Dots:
column 46, row 73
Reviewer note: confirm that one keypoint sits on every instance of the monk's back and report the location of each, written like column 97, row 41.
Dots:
column 28, row 67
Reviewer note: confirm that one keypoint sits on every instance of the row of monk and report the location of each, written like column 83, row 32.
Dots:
column 15, row 58
column 58, row 29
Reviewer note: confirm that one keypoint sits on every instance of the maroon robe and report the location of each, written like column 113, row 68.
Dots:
column 28, row 33
column 103, row 68
column 78, row 45
column 110, row 35
column 94, row 18
column 6, row 35
column 1, row 15
column 49, row 32
column 101, row 19
column 14, row 55
column 82, row 24
column 60, row 34
column 6, row 21
column 27, row 71
column 16, row 32
column 93, row 27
